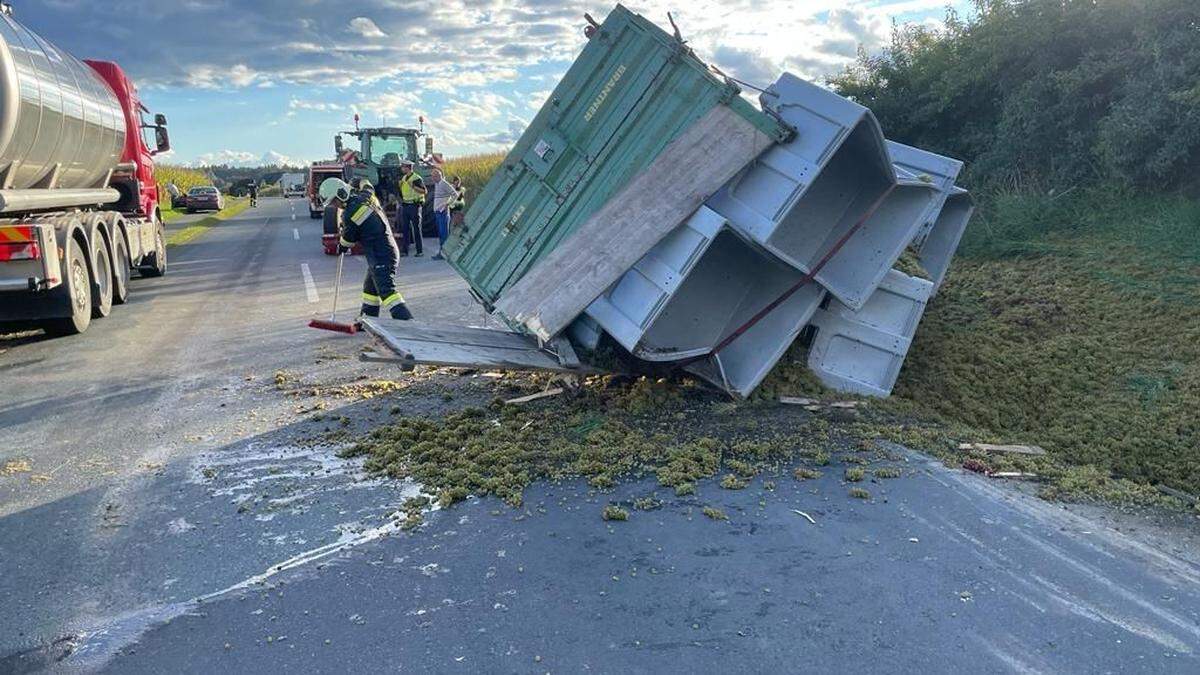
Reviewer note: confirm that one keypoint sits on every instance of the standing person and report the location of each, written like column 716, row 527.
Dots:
column 458, row 207
column 412, row 198
column 444, row 194
column 254, row 194
column 363, row 222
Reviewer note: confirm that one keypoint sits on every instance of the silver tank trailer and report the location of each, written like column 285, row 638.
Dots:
column 54, row 110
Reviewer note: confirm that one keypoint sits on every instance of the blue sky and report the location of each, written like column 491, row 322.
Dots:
column 249, row 82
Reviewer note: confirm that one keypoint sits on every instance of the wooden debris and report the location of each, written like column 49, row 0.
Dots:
column 533, row 397
column 798, row 400
column 991, row 447
column 845, row 405
column 1178, row 494
column 1020, row 475
column 806, row 516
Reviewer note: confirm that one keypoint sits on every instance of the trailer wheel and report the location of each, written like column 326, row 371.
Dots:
column 330, row 223
column 102, row 286
column 120, row 272
column 155, row 264
column 78, row 285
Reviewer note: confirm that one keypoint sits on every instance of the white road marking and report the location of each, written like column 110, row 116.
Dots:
column 293, row 215
column 309, row 287
column 295, row 234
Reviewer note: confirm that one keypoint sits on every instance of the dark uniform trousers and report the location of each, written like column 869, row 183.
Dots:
column 363, row 221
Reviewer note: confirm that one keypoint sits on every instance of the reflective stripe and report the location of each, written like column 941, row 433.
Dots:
column 392, row 299
column 345, row 243
column 360, row 216
column 372, row 300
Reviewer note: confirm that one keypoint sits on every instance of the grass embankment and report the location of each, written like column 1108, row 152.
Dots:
column 233, row 206
column 1072, row 324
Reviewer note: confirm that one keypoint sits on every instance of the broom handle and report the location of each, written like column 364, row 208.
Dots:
column 337, row 285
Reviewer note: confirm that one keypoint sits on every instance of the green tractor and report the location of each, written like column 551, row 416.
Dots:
column 378, row 158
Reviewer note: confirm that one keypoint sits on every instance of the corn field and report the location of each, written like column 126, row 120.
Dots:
column 475, row 171
column 183, row 178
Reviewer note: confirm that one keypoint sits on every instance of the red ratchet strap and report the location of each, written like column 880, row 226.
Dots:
column 804, row 280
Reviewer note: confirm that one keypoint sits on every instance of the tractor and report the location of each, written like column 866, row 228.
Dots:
column 377, row 159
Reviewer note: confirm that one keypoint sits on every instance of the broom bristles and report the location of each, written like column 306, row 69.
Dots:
column 333, row 326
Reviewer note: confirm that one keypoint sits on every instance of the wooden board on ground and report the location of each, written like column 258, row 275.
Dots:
column 690, row 169
column 992, row 447
column 458, row 347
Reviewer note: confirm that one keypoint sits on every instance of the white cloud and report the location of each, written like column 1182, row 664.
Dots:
column 366, row 28
column 244, row 158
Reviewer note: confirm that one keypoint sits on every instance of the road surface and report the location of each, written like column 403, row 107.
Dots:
column 173, row 518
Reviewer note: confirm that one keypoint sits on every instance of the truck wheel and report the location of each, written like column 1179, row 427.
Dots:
column 78, row 285
column 120, row 272
column 314, row 214
column 155, row 264
column 102, row 288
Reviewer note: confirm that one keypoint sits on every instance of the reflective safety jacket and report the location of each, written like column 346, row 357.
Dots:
column 407, row 192
column 363, row 220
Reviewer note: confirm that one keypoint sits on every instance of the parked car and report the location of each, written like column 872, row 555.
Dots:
column 204, row 198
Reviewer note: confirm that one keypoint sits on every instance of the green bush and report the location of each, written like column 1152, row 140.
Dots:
column 1042, row 94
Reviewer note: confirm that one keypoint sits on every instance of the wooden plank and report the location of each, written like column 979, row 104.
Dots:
column 798, row 400
column 1178, row 494
column 991, row 447
column 565, row 351
column 533, row 397
column 668, row 191
column 479, row 337
column 423, row 351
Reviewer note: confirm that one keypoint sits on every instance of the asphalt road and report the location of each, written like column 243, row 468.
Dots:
column 174, row 520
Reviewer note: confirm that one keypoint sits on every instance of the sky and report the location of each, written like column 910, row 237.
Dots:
column 271, row 81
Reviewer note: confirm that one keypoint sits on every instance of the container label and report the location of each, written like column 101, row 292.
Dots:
column 612, row 82
column 541, row 148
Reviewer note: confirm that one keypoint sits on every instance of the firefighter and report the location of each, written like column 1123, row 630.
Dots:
column 412, row 202
column 363, row 222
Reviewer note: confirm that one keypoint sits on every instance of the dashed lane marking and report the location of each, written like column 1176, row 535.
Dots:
column 309, row 287
column 295, row 234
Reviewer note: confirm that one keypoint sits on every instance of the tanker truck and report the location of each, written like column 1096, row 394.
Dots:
column 79, row 206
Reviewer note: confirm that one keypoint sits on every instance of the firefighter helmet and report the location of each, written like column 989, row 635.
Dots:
column 334, row 188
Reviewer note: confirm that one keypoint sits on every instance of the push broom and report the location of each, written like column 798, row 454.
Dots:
column 333, row 324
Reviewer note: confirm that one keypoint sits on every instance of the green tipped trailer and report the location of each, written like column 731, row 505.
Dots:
column 604, row 153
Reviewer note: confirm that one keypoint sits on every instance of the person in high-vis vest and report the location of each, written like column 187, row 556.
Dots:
column 363, row 222
column 412, row 202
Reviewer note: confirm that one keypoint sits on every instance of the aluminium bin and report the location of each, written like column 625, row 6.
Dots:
column 631, row 91
column 861, row 352
column 938, row 247
column 670, row 305
column 801, row 199
column 856, row 270
column 937, row 169
column 743, row 364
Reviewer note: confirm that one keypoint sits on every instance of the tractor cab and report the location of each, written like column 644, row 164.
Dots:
column 380, row 153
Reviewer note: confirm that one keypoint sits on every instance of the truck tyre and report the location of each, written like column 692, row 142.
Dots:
column 102, row 283
column 120, row 271
column 155, row 264
column 77, row 284
column 314, row 214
